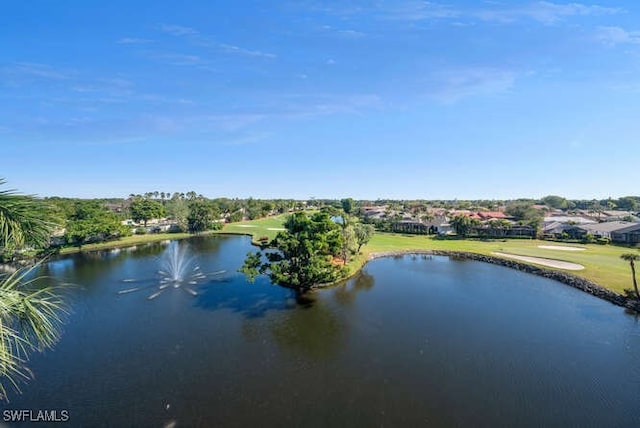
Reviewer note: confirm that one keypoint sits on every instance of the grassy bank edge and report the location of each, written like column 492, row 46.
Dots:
column 607, row 271
column 128, row 241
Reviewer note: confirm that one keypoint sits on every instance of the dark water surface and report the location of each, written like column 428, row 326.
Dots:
column 411, row 341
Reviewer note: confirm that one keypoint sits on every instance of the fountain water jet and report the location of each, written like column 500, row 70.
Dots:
column 177, row 270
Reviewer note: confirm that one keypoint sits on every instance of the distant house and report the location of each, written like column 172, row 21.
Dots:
column 627, row 235
column 409, row 226
column 438, row 225
column 614, row 215
column 608, row 229
column 570, row 219
column 489, row 215
column 374, row 212
column 557, row 228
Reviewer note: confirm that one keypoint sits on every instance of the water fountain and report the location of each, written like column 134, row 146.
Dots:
column 177, row 270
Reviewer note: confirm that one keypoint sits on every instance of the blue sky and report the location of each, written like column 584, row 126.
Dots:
column 369, row 99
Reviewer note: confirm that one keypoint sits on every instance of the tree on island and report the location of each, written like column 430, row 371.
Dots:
column 363, row 232
column 146, row 209
column 632, row 259
column 29, row 312
column 304, row 254
column 349, row 241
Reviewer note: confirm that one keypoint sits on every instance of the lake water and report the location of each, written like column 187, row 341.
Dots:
column 411, row 341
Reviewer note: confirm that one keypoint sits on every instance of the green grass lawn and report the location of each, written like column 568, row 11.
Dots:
column 127, row 241
column 268, row 227
column 258, row 228
column 602, row 262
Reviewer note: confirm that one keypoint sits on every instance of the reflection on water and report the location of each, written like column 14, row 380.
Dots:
column 314, row 334
column 409, row 341
column 250, row 300
column 347, row 293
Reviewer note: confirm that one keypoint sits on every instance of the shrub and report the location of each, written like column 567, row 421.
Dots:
column 215, row 226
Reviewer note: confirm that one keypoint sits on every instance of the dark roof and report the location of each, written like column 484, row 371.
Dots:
column 610, row 226
column 633, row 227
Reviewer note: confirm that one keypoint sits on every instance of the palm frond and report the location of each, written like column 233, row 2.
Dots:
column 30, row 319
column 24, row 219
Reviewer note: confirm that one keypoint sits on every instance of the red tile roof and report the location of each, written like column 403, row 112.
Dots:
column 492, row 214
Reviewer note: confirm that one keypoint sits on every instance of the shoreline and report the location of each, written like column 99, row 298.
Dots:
column 360, row 262
column 574, row 281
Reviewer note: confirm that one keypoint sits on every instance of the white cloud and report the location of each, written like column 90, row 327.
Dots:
column 178, row 59
column 612, row 36
column 351, row 33
column 133, row 41
column 309, row 105
column 35, row 70
column 246, row 52
column 229, row 122
column 195, row 38
column 415, row 10
column 246, row 139
column 543, row 11
column 178, row 30
column 453, row 85
column 345, row 33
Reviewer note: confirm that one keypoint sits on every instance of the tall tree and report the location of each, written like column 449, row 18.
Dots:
column 178, row 210
column 348, row 243
column 526, row 214
column 629, row 203
column 201, row 215
column 554, row 201
column 348, row 205
column 146, row 209
column 363, row 232
column 304, row 256
column 632, row 259
column 92, row 222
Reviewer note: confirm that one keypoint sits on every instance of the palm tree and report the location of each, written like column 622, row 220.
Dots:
column 463, row 224
column 29, row 314
column 22, row 221
column 632, row 259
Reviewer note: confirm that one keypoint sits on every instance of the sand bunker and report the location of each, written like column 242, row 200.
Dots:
column 246, row 225
column 561, row 248
column 544, row 262
column 276, row 228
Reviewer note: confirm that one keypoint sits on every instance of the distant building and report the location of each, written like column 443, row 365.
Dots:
column 489, row 215
column 627, row 235
column 609, row 229
column 570, row 219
